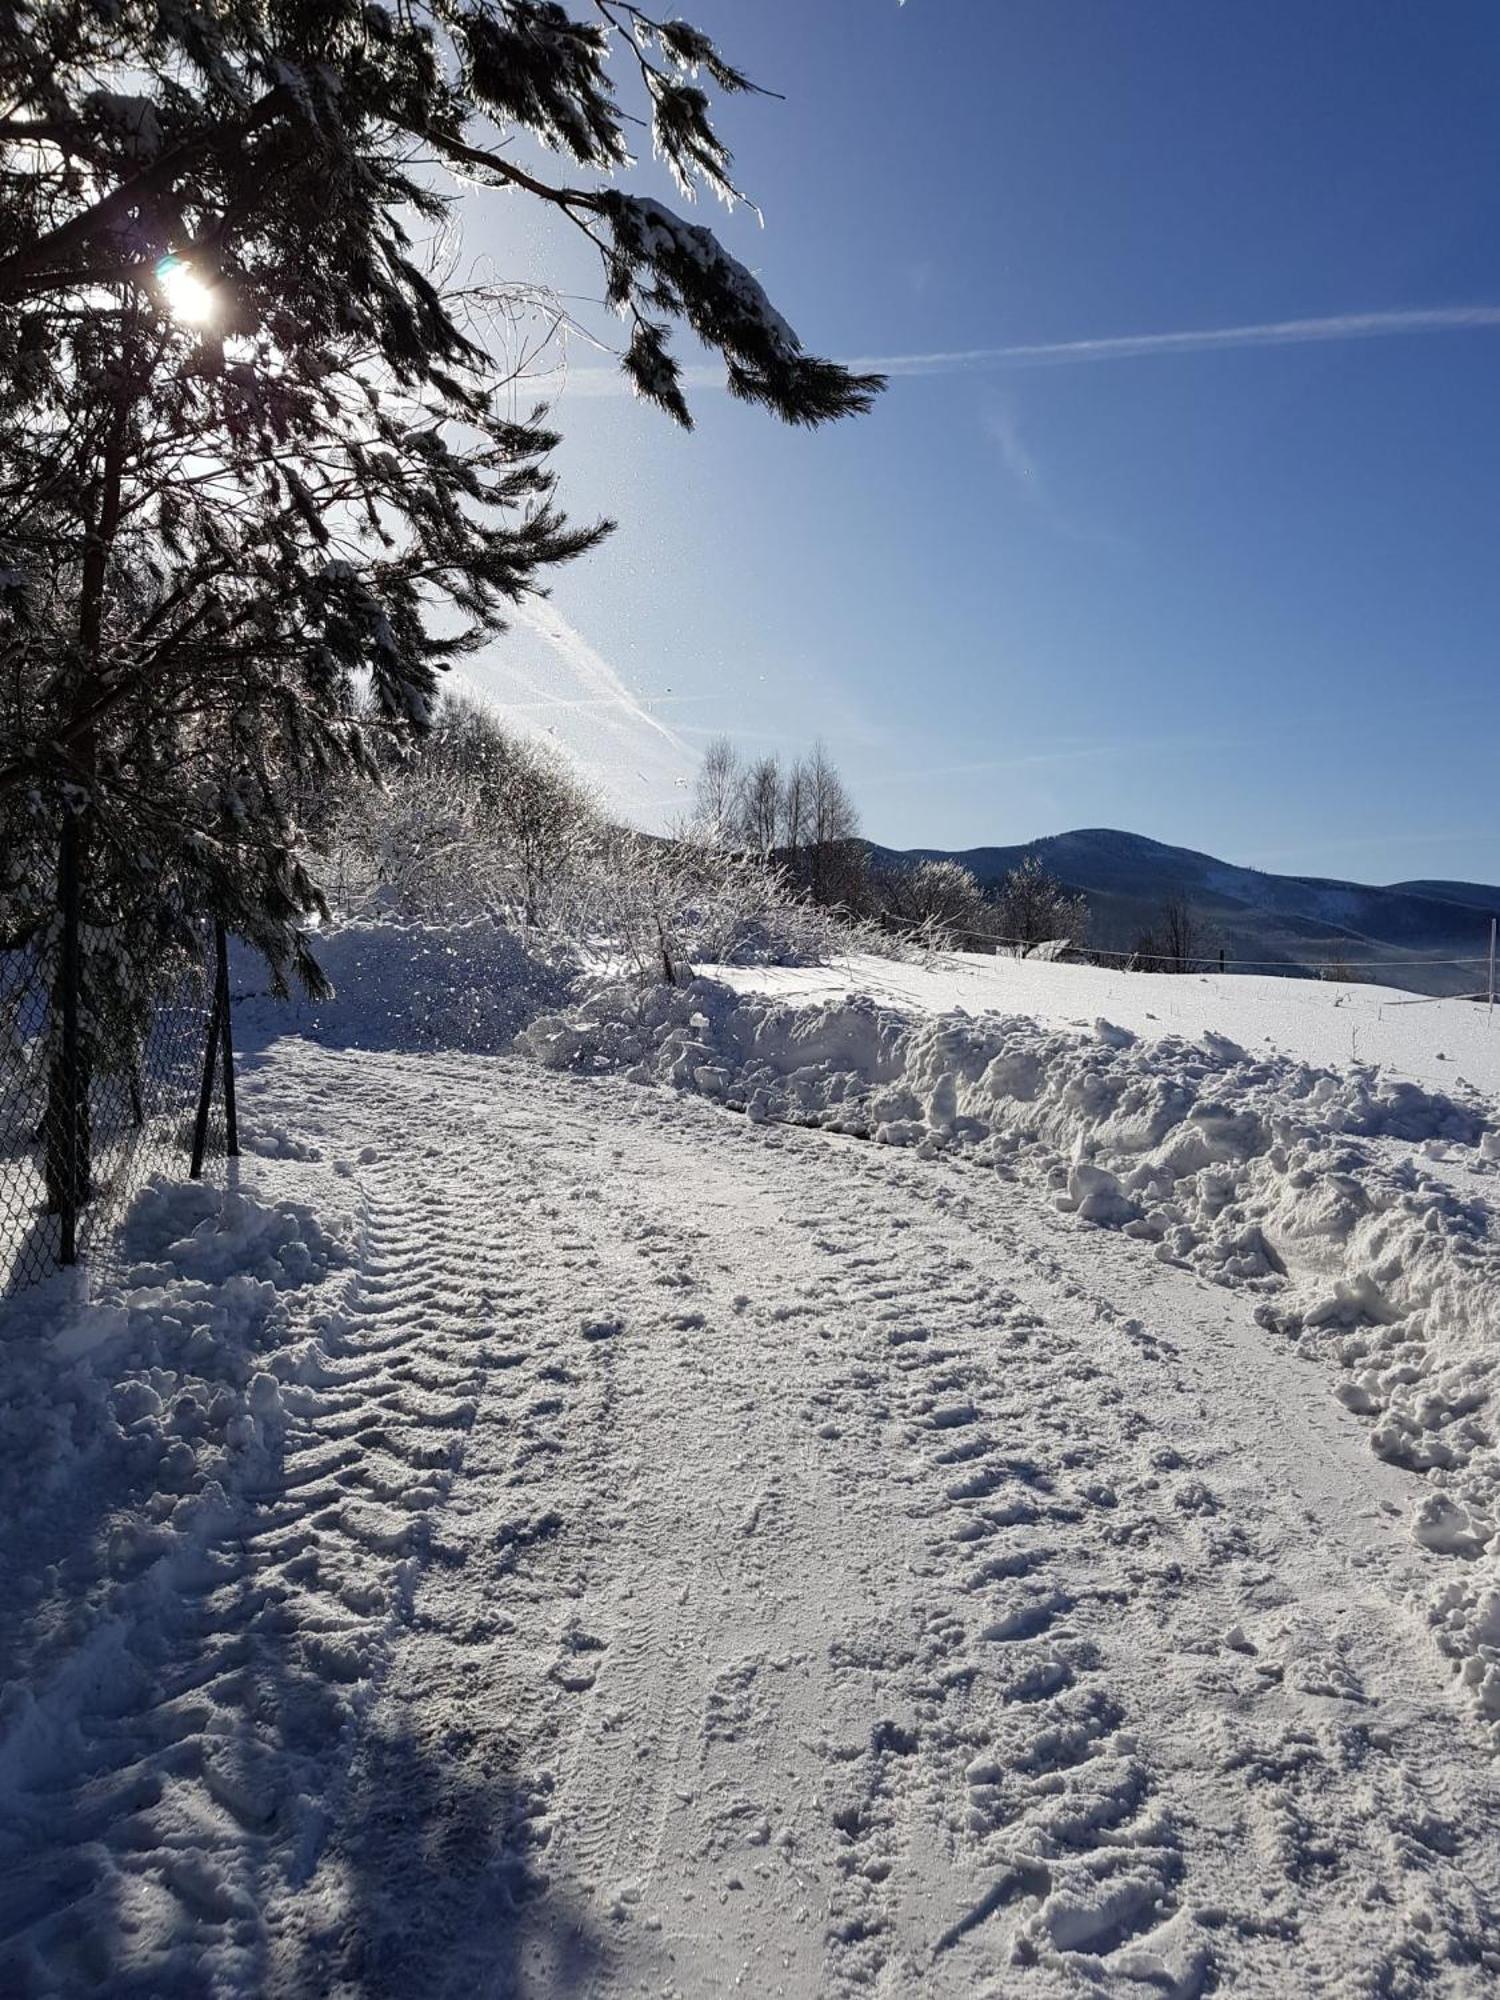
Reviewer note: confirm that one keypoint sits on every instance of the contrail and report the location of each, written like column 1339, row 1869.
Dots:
column 566, row 687
column 1198, row 340
column 593, row 671
column 1112, row 347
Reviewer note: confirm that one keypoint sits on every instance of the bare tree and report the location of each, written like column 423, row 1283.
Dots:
column 831, row 813
column 718, row 798
column 1181, row 936
column 792, row 816
column 835, row 861
column 760, row 806
column 802, row 817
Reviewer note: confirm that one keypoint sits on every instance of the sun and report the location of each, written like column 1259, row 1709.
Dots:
column 188, row 298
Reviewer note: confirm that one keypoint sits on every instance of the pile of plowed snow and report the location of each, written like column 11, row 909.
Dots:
column 412, row 986
column 1362, row 1205
column 1434, row 1042
column 138, row 1429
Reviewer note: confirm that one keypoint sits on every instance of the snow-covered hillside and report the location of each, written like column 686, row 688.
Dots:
column 542, row 1531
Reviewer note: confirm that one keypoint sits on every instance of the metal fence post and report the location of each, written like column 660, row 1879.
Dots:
column 69, row 1193
column 211, row 1048
column 231, row 1120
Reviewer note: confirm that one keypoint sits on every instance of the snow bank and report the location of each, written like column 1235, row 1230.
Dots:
column 1434, row 1042
column 142, row 1432
column 159, row 1369
column 1360, row 1204
column 413, row 986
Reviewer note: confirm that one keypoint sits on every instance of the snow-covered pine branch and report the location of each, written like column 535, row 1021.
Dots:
column 257, row 450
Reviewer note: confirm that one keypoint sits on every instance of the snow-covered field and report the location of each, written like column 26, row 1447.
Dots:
column 540, row 1531
column 1437, row 1042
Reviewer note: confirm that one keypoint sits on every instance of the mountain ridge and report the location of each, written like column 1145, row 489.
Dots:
column 1431, row 937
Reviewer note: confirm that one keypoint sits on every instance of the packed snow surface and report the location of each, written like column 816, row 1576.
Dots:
column 577, row 1522
column 1358, row 1203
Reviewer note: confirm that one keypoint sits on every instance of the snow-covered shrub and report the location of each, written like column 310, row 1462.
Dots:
column 1031, row 907
column 657, row 905
column 938, row 905
column 479, row 822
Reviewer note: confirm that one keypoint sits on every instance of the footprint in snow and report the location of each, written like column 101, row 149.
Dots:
column 1027, row 1617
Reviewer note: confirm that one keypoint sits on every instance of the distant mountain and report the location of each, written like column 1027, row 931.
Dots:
column 1273, row 923
column 1475, row 895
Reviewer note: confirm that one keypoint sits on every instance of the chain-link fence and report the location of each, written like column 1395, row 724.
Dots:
column 103, row 1081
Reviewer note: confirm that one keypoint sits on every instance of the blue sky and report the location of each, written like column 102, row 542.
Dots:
column 1240, row 593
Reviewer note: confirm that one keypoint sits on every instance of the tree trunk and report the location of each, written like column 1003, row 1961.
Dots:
column 69, row 1155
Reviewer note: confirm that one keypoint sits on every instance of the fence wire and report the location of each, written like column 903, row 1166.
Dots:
column 78, row 1156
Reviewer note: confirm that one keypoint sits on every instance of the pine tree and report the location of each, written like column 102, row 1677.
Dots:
column 255, row 456
column 250, row 451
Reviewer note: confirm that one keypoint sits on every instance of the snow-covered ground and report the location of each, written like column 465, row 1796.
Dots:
column 539, row 1534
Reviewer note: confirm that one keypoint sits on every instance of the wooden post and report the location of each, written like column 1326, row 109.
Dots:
column 1492, row 965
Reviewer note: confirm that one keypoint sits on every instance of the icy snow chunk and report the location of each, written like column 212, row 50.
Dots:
column 1440, row 1523
column 1095, row 1195
column 1075, row 1917
column 1351, row 1300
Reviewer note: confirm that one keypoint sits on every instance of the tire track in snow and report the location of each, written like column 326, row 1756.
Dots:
column 830, row 1586
column 1008, row 1709
column 1098, row 1914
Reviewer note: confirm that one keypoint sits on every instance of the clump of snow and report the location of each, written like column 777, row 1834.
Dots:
column 187, row 1230
column 1330, row 1190
column 172, row 1352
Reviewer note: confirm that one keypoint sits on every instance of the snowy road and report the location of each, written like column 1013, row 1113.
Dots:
column 857, row 1577
column 707, row 1557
